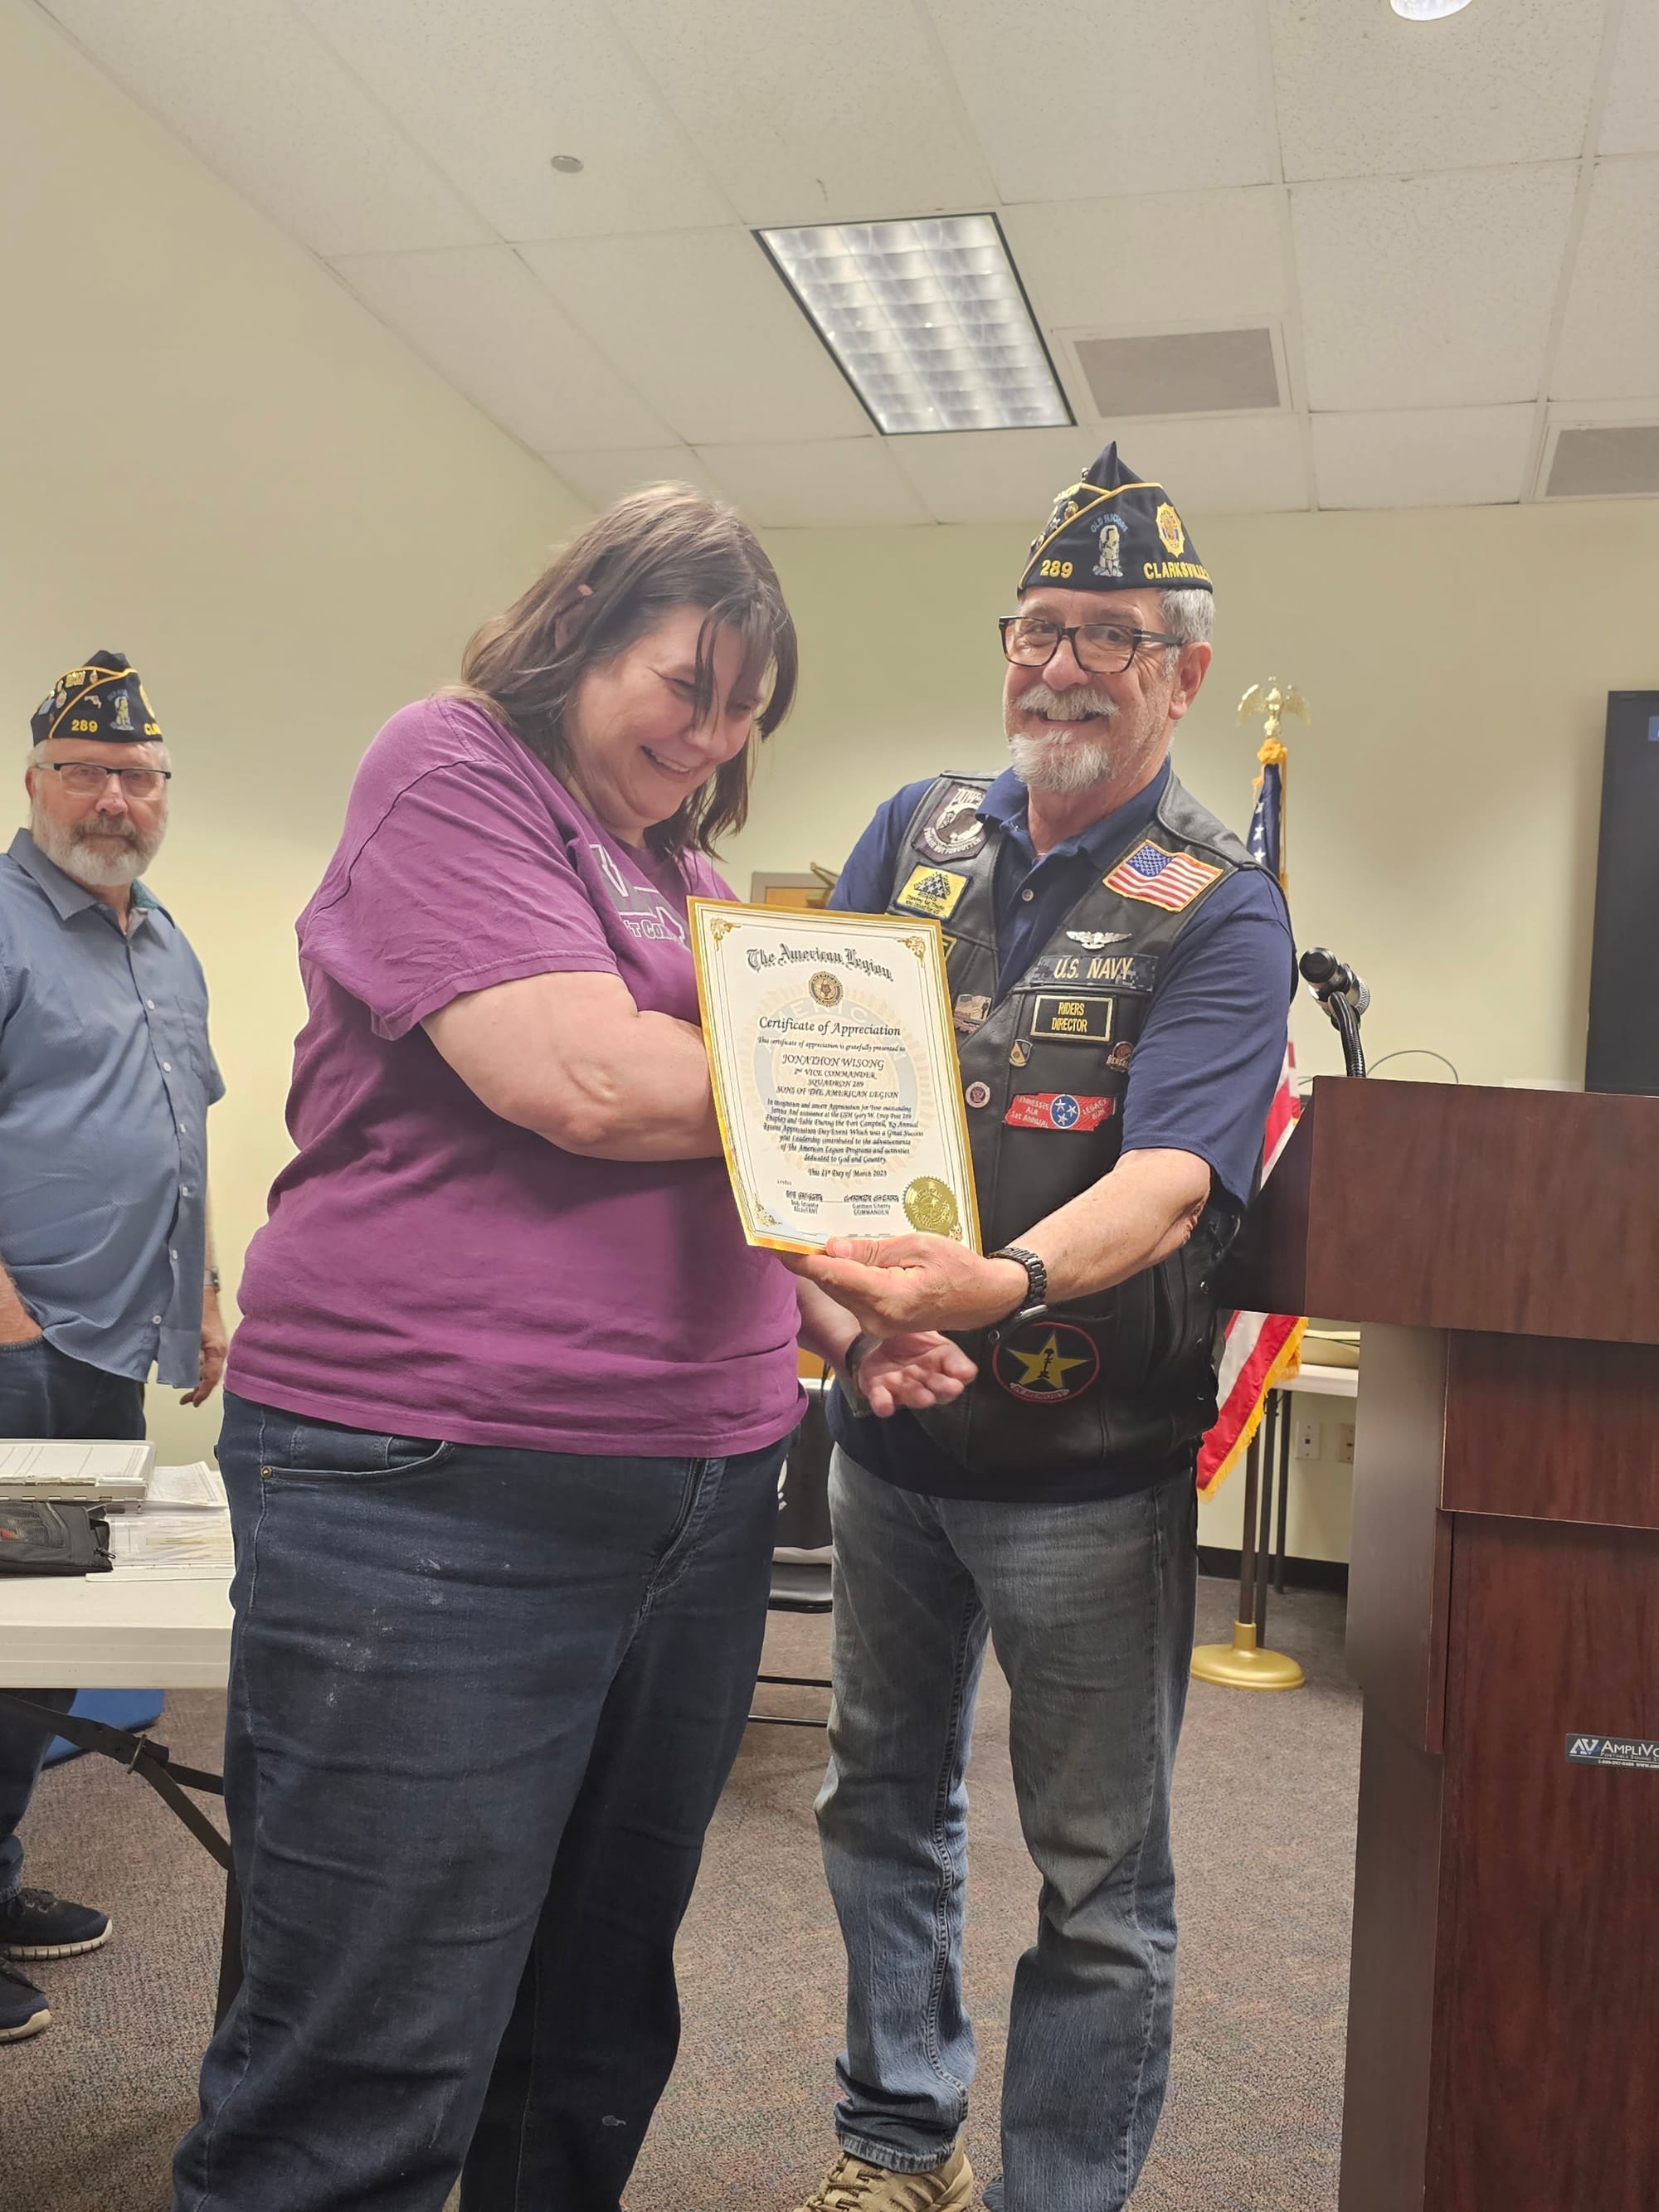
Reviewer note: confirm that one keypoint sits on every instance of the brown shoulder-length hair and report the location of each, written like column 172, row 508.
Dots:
column 663, row 547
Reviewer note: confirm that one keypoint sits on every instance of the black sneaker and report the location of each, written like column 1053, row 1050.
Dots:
column 35, row 1924
column 22, row 2009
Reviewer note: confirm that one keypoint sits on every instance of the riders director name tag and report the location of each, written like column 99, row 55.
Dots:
column 1080, row 1018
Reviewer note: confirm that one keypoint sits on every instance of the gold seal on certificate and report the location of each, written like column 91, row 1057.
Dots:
column 834, row 1061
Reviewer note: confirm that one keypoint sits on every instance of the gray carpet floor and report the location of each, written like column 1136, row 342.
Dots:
column 1265, row 1815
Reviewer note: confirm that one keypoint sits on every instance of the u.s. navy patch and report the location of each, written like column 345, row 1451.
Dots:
column 935, row 892
column 1104, row 971
column 1058, row 1110
column 954, row 832
column 1046, row 1363
column 1084, row 1019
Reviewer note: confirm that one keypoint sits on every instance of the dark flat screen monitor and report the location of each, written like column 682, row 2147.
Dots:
column 1622, row 1053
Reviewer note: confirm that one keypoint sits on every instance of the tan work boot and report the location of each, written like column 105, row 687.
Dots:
column 853, row 2185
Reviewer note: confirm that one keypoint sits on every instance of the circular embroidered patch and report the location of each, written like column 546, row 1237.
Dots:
column 1046, row 1363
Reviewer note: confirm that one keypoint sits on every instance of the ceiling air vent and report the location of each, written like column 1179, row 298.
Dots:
column 1621, row 463
column 1182, row 373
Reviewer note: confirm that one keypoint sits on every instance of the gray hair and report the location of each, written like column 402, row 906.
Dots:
column 38, row 752
column 1189, row 616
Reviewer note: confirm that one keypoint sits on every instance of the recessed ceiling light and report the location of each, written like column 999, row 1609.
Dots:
column 927, row 321
column 1425, row 11
column 567, row 165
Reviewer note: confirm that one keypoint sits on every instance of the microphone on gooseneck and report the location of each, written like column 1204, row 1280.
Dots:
column 1344, row 997
column 1332, row 979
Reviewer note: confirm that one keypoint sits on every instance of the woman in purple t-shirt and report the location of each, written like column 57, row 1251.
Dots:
column 504, row 1415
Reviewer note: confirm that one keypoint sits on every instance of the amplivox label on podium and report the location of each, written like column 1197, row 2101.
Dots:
column 1612, row 1751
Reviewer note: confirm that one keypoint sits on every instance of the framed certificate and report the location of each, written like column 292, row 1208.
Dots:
column 834, row 1065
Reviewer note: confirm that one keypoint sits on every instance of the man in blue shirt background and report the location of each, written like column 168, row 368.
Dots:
column 1122, row 974
column 105, row 1078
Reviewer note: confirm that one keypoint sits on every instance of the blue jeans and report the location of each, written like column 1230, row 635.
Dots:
column 1091, row 1607
column 44, row 1393
column 483, row 1704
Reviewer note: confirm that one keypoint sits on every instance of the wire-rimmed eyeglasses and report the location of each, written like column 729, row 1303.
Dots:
column 86, row 779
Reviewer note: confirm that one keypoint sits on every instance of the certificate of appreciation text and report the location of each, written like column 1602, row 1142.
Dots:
column 834, row 1065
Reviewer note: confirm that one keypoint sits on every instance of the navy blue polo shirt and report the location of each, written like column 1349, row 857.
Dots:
column 1205, row 1065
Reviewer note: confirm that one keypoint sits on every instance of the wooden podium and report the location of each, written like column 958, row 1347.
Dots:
column 1502, row 1250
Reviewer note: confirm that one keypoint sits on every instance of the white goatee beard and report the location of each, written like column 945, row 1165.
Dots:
column 1069, row 763
column 64, row 846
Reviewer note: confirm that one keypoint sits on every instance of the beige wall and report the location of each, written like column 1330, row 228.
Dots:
column 214, row 459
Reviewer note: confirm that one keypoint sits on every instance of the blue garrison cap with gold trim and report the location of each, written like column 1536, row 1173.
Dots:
column 102, row 699
column 1115, row 532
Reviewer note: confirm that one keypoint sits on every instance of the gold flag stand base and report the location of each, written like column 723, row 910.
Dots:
column 1242, row 1665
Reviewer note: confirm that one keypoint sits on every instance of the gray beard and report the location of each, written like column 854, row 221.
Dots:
column 1069, row 764
column 64, row 846
column 1061, row 765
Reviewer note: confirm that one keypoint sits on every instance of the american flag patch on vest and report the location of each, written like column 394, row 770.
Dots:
column 1171, row 880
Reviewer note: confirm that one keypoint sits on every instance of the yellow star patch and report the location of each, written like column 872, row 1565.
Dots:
column 1044, row 1368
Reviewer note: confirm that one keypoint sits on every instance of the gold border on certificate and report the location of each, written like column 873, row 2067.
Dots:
column 723, row 1038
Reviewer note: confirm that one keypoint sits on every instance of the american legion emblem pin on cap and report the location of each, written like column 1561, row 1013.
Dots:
column 103, row 700
column 1115, row 532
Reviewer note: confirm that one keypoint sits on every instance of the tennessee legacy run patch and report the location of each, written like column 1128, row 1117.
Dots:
column 1157, row 878
column 1058, row 1110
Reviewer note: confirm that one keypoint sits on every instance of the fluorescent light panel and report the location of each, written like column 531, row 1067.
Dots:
column 927, row 321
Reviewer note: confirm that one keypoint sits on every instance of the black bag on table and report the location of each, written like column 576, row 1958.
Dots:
column 38, row 1537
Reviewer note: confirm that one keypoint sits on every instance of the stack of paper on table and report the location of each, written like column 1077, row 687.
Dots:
column 173, row 1544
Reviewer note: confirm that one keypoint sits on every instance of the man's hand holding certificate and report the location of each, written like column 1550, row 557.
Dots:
column 835, row 1075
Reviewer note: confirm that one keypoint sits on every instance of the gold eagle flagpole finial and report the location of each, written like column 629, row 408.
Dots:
column 1274, row 700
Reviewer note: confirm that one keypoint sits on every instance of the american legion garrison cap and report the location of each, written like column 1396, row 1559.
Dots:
column 102, row 699
column 1115, row 532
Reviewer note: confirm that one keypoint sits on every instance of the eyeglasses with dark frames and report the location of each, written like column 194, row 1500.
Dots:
column 1105, row 648
column 86, row 778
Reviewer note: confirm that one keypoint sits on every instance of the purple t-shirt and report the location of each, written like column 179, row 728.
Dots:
column 428, row 1269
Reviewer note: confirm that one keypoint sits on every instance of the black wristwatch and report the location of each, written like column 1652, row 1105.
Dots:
column 1034, row 1304
column 847, row 1373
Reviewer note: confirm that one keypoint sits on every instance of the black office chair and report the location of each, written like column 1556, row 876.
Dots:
column 800, row 1562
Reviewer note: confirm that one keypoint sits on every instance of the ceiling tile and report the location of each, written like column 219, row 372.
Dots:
column 493, row 89
column 601, row 478
column 1439, row 456
column 1165, row 261
column 813, row 114
column 1609, row 346
column 993, row 476
column 1363, row 93
column 481, row 319
column 838, row 483
column 1069, row 103
column 260, row 100
column 1224, row 465
column 701, row 324
column 1629, row 121
column 1431, row 291
column 1238, row 464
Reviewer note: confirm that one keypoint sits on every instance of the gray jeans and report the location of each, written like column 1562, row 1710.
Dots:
column 1091, row 1609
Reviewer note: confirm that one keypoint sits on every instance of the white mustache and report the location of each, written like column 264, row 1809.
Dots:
column 1081, row 699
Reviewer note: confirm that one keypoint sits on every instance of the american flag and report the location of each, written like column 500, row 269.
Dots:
column 1261, row 1349
column 1171, row 880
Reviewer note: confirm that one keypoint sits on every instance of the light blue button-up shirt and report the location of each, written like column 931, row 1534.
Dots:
column 105, row 1078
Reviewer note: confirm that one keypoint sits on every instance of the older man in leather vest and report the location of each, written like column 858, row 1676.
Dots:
column 1122, row 972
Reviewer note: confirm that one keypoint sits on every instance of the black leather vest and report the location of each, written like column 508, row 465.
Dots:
column 1125, row 1378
